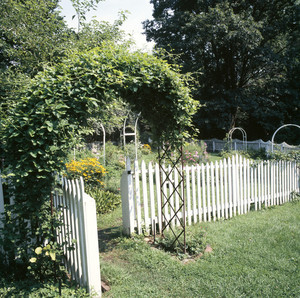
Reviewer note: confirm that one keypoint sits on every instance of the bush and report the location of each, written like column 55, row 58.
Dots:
column 130, row 151
column 293, row 155
column 80, row 153
column 89, row 168
column 195, row 153
column 115, row 164
column 146, row 149
column 106, row 201
column 261, row 154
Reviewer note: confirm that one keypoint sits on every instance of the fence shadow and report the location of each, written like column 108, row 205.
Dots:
column 108, row 238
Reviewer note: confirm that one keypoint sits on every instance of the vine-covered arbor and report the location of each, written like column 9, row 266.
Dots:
column 41, row 128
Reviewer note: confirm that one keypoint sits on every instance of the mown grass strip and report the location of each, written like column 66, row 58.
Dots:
column 254, row 255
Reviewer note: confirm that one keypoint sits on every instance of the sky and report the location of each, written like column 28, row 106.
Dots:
column 108, row 10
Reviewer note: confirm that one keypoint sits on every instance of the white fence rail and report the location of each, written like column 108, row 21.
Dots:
column 215, row 145
column 78, row 230
column 212, row 191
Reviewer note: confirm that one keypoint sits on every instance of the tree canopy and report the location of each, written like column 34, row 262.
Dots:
column 33, row 35
column 244, row 56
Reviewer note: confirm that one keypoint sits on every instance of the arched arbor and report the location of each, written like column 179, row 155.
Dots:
column 131, row 133
column 57, row 103
column 285, row 125
column 243, row 134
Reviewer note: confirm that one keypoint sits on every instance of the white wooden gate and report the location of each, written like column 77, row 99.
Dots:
column 78, row 215
column 79, row 229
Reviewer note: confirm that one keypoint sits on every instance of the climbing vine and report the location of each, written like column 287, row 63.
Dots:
column 58, row 101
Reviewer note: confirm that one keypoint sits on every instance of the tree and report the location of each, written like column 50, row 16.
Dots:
column 81, row 8
column 33, row 34
column 240, row 53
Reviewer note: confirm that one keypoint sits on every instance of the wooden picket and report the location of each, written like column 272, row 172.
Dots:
column 212, row 191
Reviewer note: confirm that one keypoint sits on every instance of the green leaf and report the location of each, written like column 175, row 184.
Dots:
column 47, row 247
column 33, row 154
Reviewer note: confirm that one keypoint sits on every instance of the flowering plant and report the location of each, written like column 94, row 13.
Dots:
column 195, row 154
column 89, row 168
column 146, row 149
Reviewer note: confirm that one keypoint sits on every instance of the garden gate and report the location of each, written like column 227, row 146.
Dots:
column 77, row 212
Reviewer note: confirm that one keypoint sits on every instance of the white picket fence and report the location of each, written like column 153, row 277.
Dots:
column 77, row 211
column 78, row 215
column 212, row 191
column 215, row 145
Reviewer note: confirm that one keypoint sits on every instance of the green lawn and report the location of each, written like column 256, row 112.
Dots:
column 254, row 255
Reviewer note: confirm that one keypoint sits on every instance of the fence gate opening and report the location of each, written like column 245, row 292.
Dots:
column 169, row 162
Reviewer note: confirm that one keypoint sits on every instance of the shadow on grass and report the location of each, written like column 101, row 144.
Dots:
column 108, row 238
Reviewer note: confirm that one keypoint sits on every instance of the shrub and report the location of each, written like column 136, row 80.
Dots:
column 45, row 264
column 115, row 164
column 278, row 155
column 146, row 149
column 114, row 156
column 130, row 151
column 261, row 154
column 79, row 154
column 106, row 201
column 89, row 168
column 195, row 153
column 229, row 153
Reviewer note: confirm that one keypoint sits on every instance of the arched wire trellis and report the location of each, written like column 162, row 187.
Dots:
column 243, row 133
column 127, row 134
column 279, row 129
column 104, row 136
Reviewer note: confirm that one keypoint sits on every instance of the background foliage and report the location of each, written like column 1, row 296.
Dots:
column 244, row 56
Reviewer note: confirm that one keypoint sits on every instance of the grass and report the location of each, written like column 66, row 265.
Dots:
column 254, row 255
column 214, row 157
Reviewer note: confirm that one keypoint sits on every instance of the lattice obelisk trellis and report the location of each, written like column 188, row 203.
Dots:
column 166, row 156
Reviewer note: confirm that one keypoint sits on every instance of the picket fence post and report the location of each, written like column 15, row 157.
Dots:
column 137, row 197
column 92, row 245
column 127, row 194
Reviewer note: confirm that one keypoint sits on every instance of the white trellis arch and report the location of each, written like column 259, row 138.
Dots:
column 279, row 129
column 243, row 133
column 127, row 134
column 104, row 136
